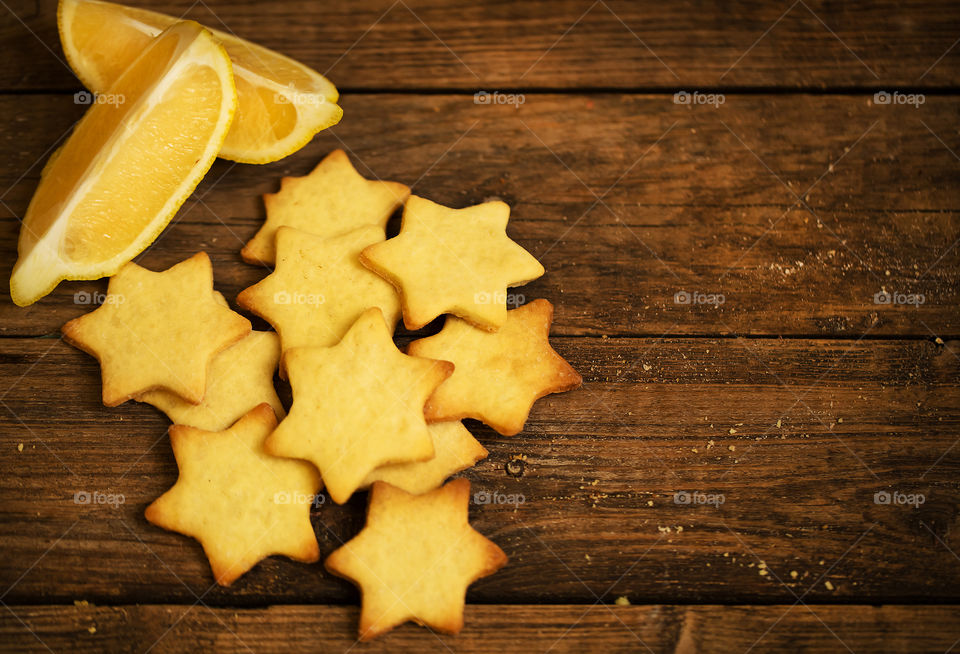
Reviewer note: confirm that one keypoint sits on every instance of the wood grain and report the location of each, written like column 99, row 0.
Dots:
column 642, row 200
column 447, row 44
column 798, row 436
column 795, row 197
column 490, row 628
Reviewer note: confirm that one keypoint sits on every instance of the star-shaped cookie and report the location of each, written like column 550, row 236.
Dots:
column 331, row 200
column 357, row 405
column 241, row 503
column 456, row 449
column 415, row 558
column 457, row 261
column 240, row 378
column 157, row 330
column 319, row 287
column 497, row 376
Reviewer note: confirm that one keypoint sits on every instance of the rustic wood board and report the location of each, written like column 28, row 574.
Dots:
column 644, row 200
column 491, row 628
column 801, row 400
column 427, row 44
column 603, row 465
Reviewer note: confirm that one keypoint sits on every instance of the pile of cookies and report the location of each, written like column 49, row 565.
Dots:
column 364, row 414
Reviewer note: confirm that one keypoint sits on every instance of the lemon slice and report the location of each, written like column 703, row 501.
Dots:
column 131, row 161
column 282, row 103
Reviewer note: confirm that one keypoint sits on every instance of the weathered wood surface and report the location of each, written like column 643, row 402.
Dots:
column 626, row 199
column 602, row 469
column 426, row 44
column 491, row 628
column 797, row 207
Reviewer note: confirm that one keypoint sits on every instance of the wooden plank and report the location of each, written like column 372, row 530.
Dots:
column 493, row 628
column 798, row 436
column 555, row 43
column 643, row 200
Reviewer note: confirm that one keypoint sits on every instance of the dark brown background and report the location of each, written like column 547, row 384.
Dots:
column 798, row 199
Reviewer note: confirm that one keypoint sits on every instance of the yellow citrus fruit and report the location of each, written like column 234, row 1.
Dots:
column 281, row 103
column 129, row 164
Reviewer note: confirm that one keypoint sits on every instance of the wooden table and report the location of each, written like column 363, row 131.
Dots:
column 805, row 401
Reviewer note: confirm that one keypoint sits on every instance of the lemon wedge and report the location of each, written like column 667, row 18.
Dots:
column 131, row 161
column 281, row 103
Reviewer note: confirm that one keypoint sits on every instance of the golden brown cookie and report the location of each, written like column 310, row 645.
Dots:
column 240, row 378
column 497, row 376
column 157, row 330
column 240, row 502
column 415, row 558
column 319, row 287
column 357, row 405
column 331, row 200
column 456, row 449
column 457, row 261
